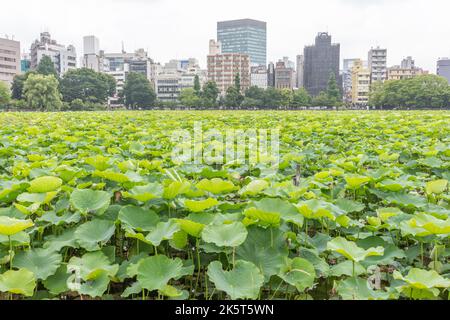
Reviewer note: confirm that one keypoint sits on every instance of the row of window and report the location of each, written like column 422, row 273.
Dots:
column 8, row 51
column 5, row 66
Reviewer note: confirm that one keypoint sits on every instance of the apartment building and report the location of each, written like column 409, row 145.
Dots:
column 10, row 64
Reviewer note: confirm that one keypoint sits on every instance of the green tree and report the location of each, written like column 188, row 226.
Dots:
column 322, row 100
column 41, row 92
column 234, row 97
column 189, row 98
column 237, row 82
column 5, row 94
column 254, row 97
column 46, row 67
column 197, row 86
column 87, row 85
column 272, row 98
column 287, row 96
column 210, row 94
column 301, row 98
column 138, row 92
column 333, row 92
column 18, row 83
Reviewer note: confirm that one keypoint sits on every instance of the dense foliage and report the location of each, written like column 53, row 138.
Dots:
column 92, row 206
column 138, row 93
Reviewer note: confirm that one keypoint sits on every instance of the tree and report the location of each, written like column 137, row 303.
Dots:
column 210, row 94
column 234, row 97
column 254, row 97
column 322, row 100
column 41, row 92
column 17, row 85
column 333, row 92
column 287, row 96
column 189, row 98
column 138, row 92
column 237, row 82
column 197, row 86
column 272, row 98
column 301, row 98
column 46, row 67
column 5, row 94
column 87, row 85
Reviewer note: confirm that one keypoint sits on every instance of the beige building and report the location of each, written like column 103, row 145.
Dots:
column 223, row 68
column 284, row 76
column 399, row 73
column 9, row 60
column 360, row 83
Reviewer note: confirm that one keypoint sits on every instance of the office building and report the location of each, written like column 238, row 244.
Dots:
column 245, row 36
column 347, row 79
column 300, row 68
column 377, row 60
column 443, row 68
column 64, row 58
column 284, row 75
column 258, row 77
column 321, row 60
column 360, row 83
column 223, row 68
column 92, row 58
column 10, row 64
column 408, row 63
column 271, row 75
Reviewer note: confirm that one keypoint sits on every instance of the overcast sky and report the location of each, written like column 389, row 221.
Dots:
column 181, row 28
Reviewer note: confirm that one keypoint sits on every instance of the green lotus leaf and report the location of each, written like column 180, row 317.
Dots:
column 112, row 176
column 179, row 241
column 436, row 187
column 90, row 234
column 99, row 162
column 43, row 263
column 298, row 272
column 318, row 209
column 171, row 292
column 40, row 198
column 200, row 206
column 190, row 227
column 91, row 266
column 350, row 206
column 358, row 289
column 423, row 279
column 21, row 239
column 90, row 201
column 265, row 248
column 138, row 218
column 21, row 282
column 175, row 189
column 386, row 213
column 10, row 226
column 57, row 220
column 254, row 188
column 65, row 240
column 269, row 212
column 225, row 235
column 94, row 287
column 57, row 282
column 351, row 251
column 346, row 269
column 155, row 272
column 163, row 231
column 430, row 223
column 45, row 184
column 406, row 200
column 355, row 182
column 216, row 186
column 145, row 193
column 243, row 282
column 134, row 289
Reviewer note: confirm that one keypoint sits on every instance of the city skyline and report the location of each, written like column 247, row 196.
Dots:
column 286, row 37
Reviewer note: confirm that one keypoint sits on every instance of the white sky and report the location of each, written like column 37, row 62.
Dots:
column 171, row 29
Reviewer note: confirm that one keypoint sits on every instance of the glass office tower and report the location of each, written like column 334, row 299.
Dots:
column 244, row 36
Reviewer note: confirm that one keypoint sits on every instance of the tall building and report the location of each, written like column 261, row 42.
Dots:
column 443, row 68
column 25, row 63
column 284, row 75
column 408, row 63
column 259, row 77
column 271, row 75
column 378, row 64
column 347, row 79
column 64, row 58
column 300, row 68
column 321, row 60
column 223, row 68
column 9, row 60
column 245, row 36
column 92, row 58
column 360, row 83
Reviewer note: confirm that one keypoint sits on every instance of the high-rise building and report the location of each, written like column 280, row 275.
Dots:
column 443, row 68
column 284, row 75
column 271, row 75
column 64, row 58
column 360, row 83
column 259, row 77
column 408, row 63
column 9, row 60
column 92, row 58
column 347, row 79
column 223, row 68
column 245, row 36
column 378, row 64
column 321, row 60
column 300, row 68
column 25, row 63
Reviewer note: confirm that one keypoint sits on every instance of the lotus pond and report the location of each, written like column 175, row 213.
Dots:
column 92, row 206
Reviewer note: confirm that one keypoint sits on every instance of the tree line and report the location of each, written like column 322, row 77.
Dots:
column 85, row 89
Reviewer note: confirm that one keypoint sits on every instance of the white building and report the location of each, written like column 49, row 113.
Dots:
column 300, row 70
column 9, row 60
column 92, row 58
column 258, row 77
column 64, row 58
column 378, row 64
